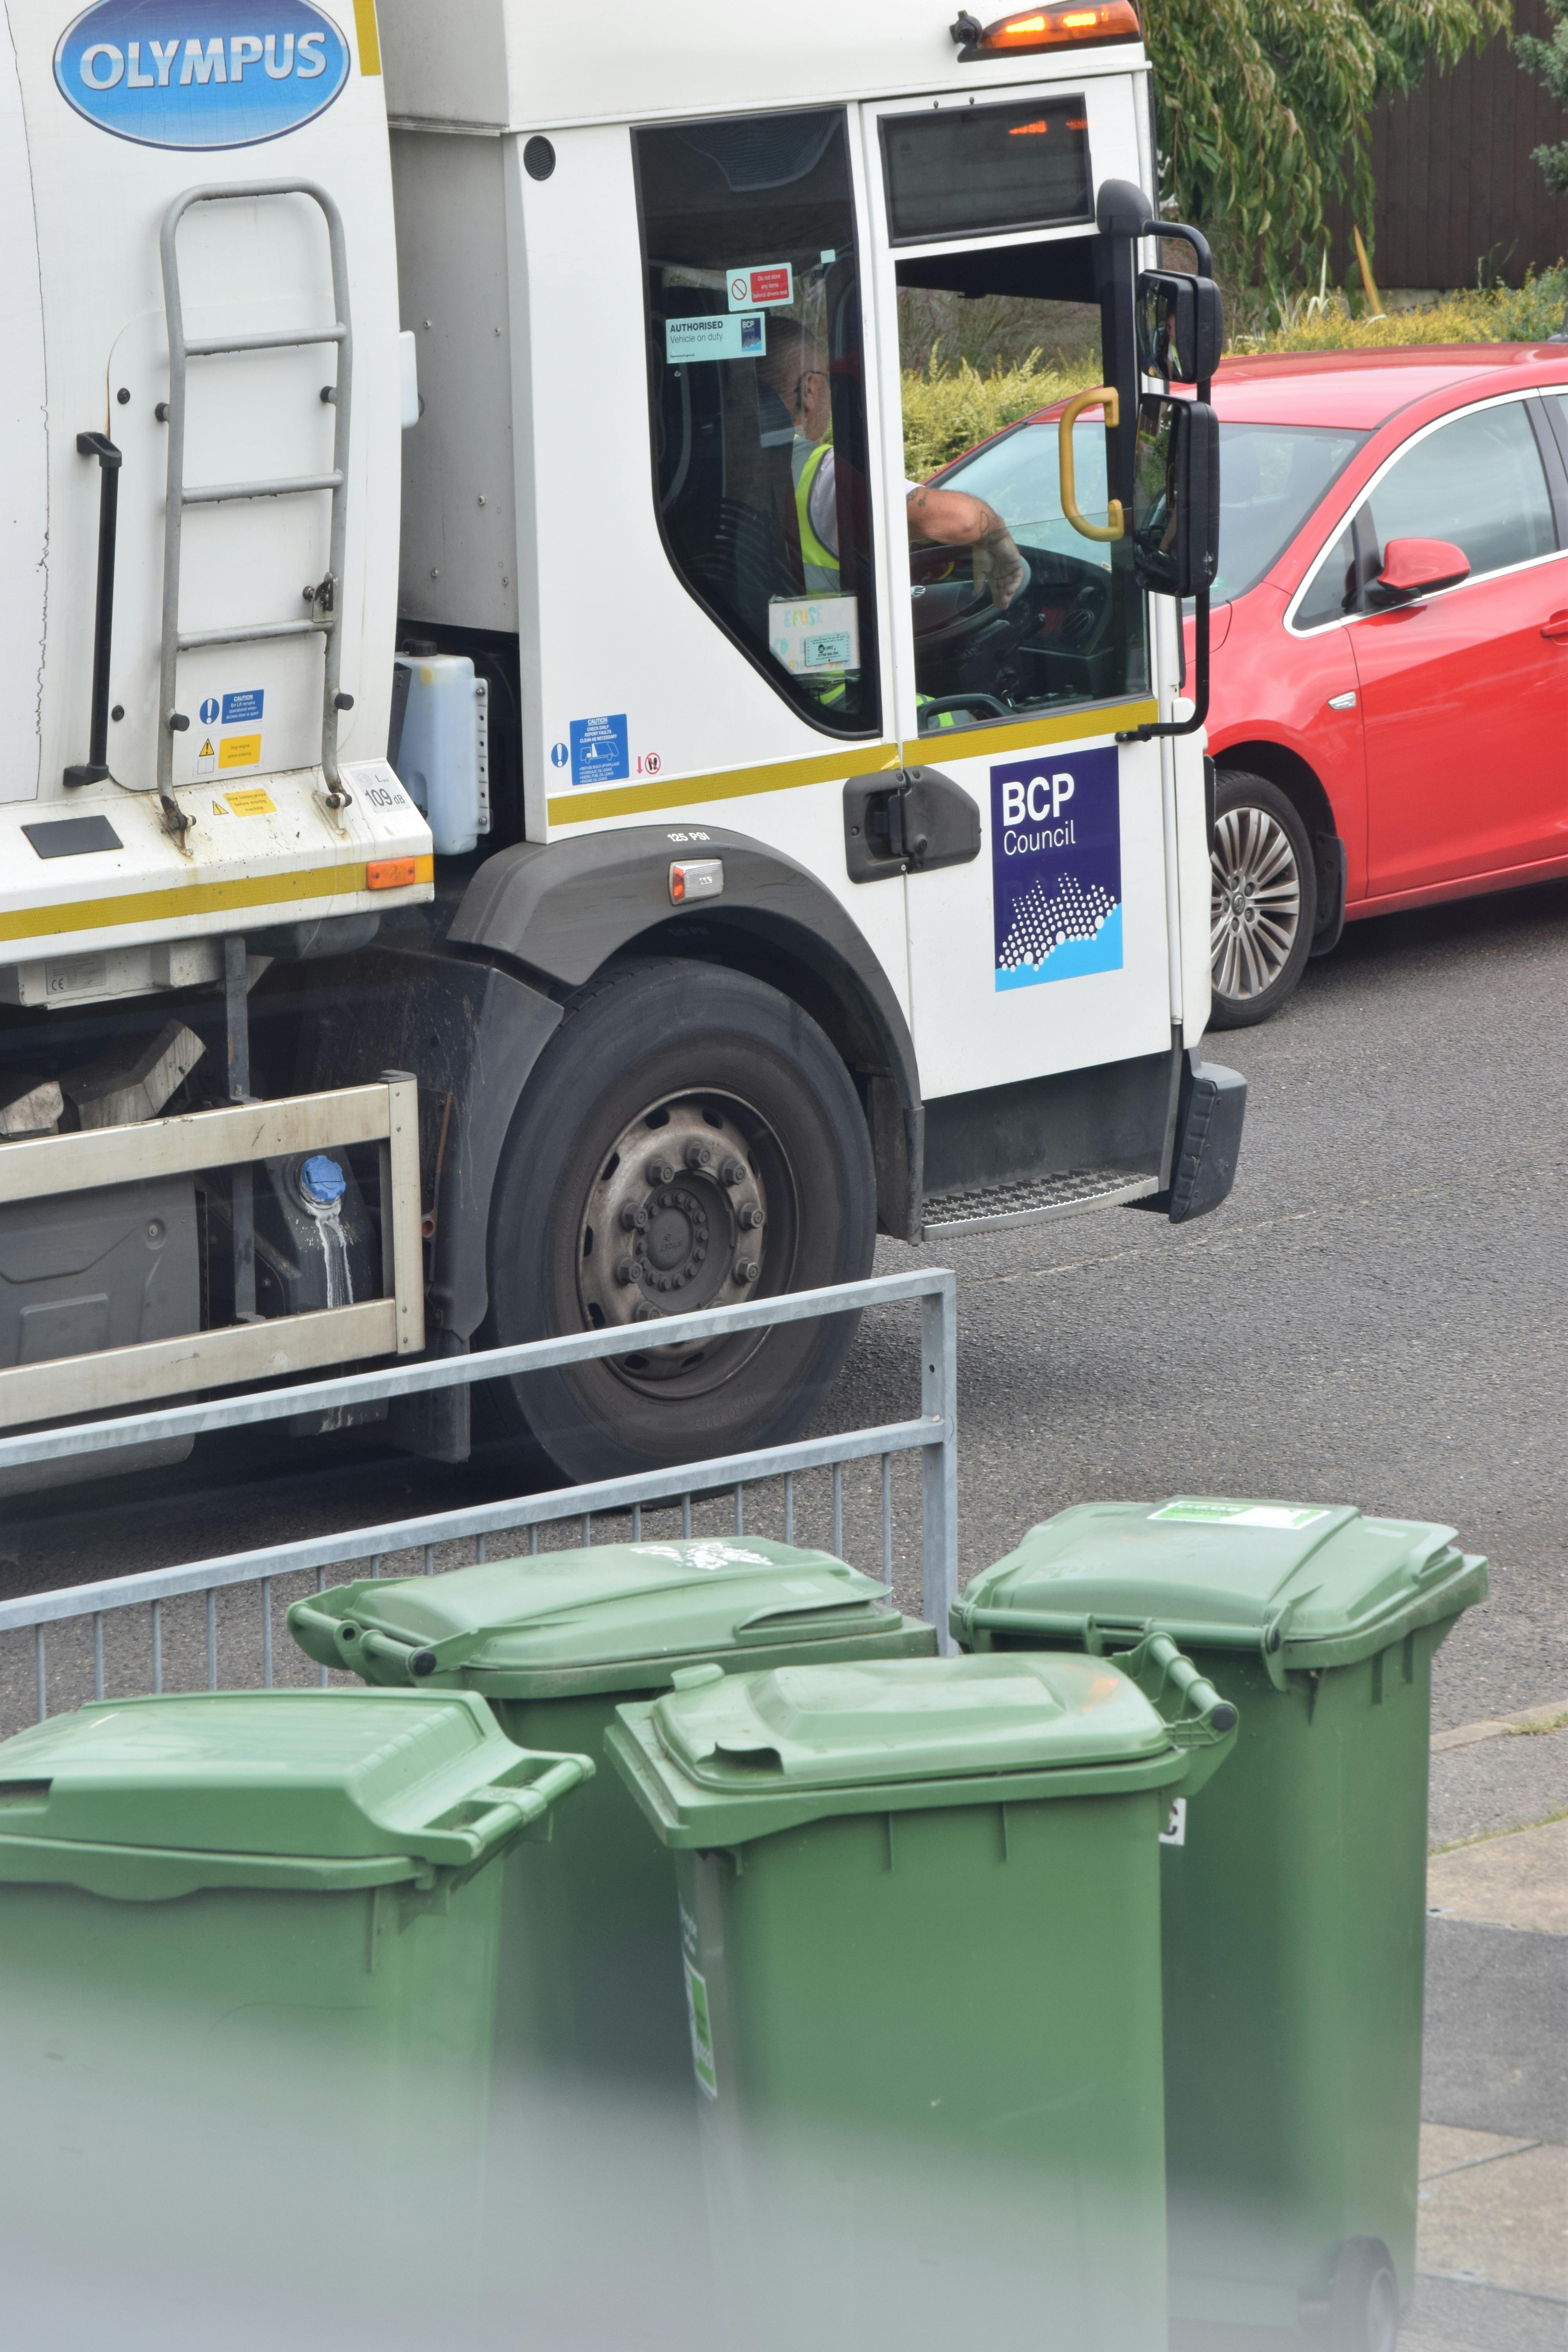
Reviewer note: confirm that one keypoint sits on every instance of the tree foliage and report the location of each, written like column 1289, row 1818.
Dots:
column 1264, row 106
column 1548, row 61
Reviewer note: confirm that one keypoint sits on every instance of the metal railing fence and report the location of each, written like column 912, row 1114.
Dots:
column 843, row 1491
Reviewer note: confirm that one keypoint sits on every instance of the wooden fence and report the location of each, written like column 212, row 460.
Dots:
column 1456, row 187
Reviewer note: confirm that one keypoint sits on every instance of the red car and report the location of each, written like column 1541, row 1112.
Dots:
column 1389, row 712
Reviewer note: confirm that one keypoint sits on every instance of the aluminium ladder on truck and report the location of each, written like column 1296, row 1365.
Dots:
column 325, row 618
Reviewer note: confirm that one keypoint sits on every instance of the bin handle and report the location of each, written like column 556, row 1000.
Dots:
column 507, row 1809
column 1135, row 1645
column 1209, row 1715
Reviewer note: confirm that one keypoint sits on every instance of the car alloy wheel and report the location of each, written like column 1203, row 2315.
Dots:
column 1263, row 900
column 1256, row 901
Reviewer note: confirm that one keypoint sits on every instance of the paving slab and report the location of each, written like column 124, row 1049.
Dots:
column 1497, row 1783
column 1495, row 2213
column 1519, row 1881
column 1449, row 2315
column 1496, row 2056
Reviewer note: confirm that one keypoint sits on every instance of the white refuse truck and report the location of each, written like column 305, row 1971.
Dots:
column 516, row 814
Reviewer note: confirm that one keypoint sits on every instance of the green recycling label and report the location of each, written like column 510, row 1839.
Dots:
column 701, row 2030
column 1196, row 1511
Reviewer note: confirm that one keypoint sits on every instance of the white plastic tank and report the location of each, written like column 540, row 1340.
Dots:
column 440, row 746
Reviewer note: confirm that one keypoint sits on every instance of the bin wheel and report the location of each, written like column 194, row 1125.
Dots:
column 1263, row 900
column 1363, row 2304
column 689, row 1138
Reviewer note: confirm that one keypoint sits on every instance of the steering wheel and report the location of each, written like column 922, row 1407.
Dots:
column 1083, row 624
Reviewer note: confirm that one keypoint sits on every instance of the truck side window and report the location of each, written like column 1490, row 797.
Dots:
column 1015, row 607
column 757, row 377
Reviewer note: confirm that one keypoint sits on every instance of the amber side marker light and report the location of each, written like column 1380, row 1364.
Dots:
column 393, row 873
column 1051, row 28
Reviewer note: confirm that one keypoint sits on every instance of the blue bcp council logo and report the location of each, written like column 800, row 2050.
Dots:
column 201, row 73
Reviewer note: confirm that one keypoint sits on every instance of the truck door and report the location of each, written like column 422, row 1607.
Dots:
column 701, row 657
column 1021, row 655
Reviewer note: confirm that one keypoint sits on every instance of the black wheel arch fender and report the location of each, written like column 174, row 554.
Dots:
column 560, row 910
column 1301, row 785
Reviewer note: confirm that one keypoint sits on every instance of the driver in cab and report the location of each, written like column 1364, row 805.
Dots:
column 937, row 517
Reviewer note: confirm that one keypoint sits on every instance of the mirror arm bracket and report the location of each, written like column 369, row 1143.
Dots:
column 1200, row 710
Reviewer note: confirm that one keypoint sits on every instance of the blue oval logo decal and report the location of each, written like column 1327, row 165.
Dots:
column 201, row 73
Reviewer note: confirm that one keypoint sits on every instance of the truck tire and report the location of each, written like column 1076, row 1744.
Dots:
column 689, row 1138
column 1264, row 900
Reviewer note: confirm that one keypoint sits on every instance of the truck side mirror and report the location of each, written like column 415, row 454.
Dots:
column 1175, row 502
column 1179, row 326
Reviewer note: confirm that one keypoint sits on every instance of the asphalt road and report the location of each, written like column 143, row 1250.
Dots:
column 1376, row 1315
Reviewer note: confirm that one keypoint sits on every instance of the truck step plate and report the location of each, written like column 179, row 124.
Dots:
column 983, row 1208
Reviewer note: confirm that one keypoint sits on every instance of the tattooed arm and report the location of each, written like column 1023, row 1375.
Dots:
column 941, row 518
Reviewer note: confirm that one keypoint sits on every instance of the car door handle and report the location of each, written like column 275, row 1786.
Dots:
column 1556, row 628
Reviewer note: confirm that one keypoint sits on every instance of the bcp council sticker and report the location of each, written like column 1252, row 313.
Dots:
column 1056, row 865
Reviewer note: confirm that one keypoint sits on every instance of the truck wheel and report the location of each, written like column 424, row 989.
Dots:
column 1363, row 2304
column 1263, row 904
column 689, row 1138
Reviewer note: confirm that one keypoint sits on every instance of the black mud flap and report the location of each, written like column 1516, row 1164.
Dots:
column 1209, row 1116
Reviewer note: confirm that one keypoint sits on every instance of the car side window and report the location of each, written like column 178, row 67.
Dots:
column 1331, row 593
column 1557, row 409
column 1477, row 482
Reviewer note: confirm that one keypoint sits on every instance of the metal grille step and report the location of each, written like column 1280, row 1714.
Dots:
column 986, row 1208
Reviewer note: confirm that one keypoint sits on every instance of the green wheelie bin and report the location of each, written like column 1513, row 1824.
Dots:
column 248, row 1946
column 554, row 1643
column 921, row 1911
column 1295, row 1897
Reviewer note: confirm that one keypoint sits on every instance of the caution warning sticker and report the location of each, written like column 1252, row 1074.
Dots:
column 239, row 751
column 254, row 800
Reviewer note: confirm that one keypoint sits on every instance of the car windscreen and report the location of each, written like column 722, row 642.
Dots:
column 1270, row 478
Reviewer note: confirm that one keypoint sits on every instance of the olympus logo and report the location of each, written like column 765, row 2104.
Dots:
column 201, row 73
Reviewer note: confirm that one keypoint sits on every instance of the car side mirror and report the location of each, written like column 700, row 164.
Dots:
column 1415, row 567
column 1181, row 326
column 1176, row 496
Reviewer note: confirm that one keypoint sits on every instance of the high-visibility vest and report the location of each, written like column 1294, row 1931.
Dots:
column 821, row 564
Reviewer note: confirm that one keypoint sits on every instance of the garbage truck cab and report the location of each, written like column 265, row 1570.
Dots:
column 480, row 638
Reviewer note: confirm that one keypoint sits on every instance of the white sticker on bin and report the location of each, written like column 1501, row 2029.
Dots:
column 1193, row 1511
column 701, row 2031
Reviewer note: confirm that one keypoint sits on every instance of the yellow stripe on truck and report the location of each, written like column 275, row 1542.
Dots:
column 1029, row 734
column 192, row 898
column 728, row 785
column 369, row 39
column 1079, row 725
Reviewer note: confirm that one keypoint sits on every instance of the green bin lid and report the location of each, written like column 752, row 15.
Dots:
column 1305, row 1583
column 727, row 1758
column 614, row 1617
column 155, row 1796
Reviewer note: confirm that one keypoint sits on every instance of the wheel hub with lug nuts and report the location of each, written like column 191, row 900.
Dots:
column 678, row 1220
